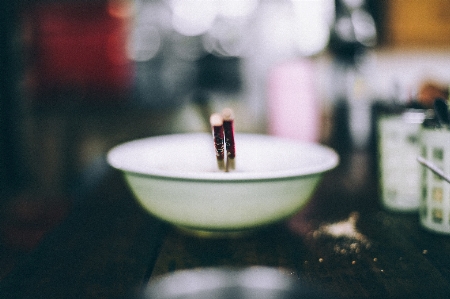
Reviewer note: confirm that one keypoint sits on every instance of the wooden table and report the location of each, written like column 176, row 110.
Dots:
column 108, row 247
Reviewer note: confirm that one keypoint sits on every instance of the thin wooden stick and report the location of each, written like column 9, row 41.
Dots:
column 228, row 126
column 216, row 122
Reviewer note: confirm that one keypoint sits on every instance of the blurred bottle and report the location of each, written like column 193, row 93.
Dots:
column 354, row 31
column 293, row 105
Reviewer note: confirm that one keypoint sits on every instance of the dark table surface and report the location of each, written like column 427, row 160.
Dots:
column 343, row 241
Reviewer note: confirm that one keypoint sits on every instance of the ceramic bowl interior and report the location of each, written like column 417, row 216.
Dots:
column 176, row 178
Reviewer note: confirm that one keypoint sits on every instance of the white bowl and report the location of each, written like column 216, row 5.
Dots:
column 225, row 282
column 175, row 178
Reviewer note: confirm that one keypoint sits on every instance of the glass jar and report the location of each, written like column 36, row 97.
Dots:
column 398, row 148
column 434, row 209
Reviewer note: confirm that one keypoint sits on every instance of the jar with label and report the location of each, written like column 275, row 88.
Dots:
column 398, row 148
column 434, row 209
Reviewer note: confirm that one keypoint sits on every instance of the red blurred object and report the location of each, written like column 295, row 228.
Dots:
column 27, row 218
column 77, row 47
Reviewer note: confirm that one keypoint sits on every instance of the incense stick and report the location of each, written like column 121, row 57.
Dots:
column 216, row 122
column 228, row 126
column 433, row 168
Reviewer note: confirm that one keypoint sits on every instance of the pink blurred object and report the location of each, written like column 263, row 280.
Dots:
column 293, row 104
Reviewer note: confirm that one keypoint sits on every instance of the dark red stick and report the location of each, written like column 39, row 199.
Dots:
column 216, row 121
column 228, row 126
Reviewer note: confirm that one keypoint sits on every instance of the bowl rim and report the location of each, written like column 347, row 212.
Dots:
column 330, row 162
column 224, row 277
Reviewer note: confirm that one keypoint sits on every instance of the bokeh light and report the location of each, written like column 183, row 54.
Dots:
column 236, row 8
column 193, row 17
column 145, row 43
column 312, row 24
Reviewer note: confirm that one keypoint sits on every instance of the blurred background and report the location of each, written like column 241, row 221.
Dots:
column 80, row 76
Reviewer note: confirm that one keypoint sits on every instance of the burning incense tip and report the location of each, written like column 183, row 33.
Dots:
column 227, row 114
column 228, row 126
column 216, row 122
